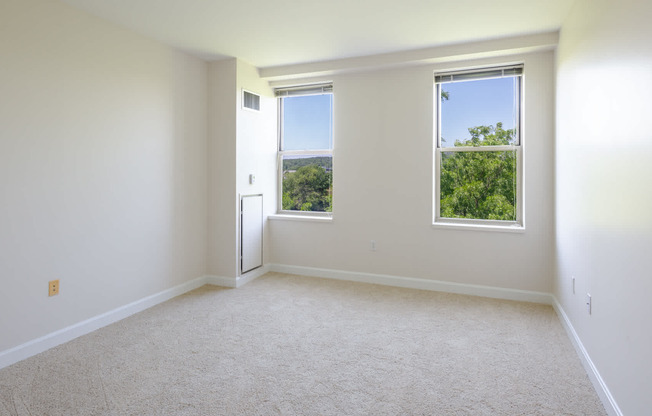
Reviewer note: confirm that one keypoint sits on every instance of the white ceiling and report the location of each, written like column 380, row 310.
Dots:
column 270, row 33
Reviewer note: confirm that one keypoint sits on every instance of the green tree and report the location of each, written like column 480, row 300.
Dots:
column 309, row 188
column 480, row 184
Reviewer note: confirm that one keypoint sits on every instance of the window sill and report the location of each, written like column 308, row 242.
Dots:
column 479, row 227
column 308, row 218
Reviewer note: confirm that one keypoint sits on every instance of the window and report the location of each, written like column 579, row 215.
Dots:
column 305, row 156
column 478, row 153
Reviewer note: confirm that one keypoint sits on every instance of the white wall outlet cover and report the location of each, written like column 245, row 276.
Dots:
column 252, row 179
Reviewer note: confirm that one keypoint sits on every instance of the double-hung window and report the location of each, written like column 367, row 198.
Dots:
column 305, row 155
column 478, row 147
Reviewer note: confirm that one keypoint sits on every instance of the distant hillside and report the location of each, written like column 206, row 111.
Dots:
column 294, row 164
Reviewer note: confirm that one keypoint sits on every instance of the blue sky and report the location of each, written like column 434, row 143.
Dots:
column 307, row 122
column 476, row 103
column 308, row 118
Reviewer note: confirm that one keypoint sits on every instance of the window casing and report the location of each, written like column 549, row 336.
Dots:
column 479, row 174
column 305, row 150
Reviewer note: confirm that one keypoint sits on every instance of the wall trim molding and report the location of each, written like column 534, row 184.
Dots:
column 51, row 340
column 418, row 283
column 239, row 281
column 251, row 275
column 599, row 384
column 220, row 281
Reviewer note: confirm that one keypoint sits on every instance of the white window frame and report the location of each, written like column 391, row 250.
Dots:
column 466, row 75
column 303, row 90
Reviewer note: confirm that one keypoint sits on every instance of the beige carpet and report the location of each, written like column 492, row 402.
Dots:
column 296, row 345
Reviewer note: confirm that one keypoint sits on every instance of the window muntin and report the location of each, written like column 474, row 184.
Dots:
column 305, row 150
column 478, row 152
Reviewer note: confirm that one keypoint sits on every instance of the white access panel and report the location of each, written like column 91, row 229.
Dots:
column 251, row 232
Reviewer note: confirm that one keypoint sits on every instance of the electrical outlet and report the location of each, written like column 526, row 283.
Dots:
column 573, row 281
column 373, row 245
column 53, row 287
column 588, row 303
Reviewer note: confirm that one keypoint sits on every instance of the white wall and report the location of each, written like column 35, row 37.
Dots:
column 241, row 142
column 604, row 179
column 382, row 167
column 121, row 163
column 223, row 203
column 256, row 145
column 102, row 167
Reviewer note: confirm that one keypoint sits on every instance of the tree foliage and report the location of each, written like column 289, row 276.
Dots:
column 480, row 184
column 309, row 188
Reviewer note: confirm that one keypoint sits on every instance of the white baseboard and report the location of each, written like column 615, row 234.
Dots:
column 600, row 386
column 239, row 281
column 36, row 346
column 221, row 281
column 417, row 283
column 249, row 276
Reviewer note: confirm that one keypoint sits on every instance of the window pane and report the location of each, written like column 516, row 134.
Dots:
column 478, row 185
column 307, row 122
column 472, row 104
column 308, row 183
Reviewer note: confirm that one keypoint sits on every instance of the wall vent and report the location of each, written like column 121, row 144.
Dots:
column 250, row 100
